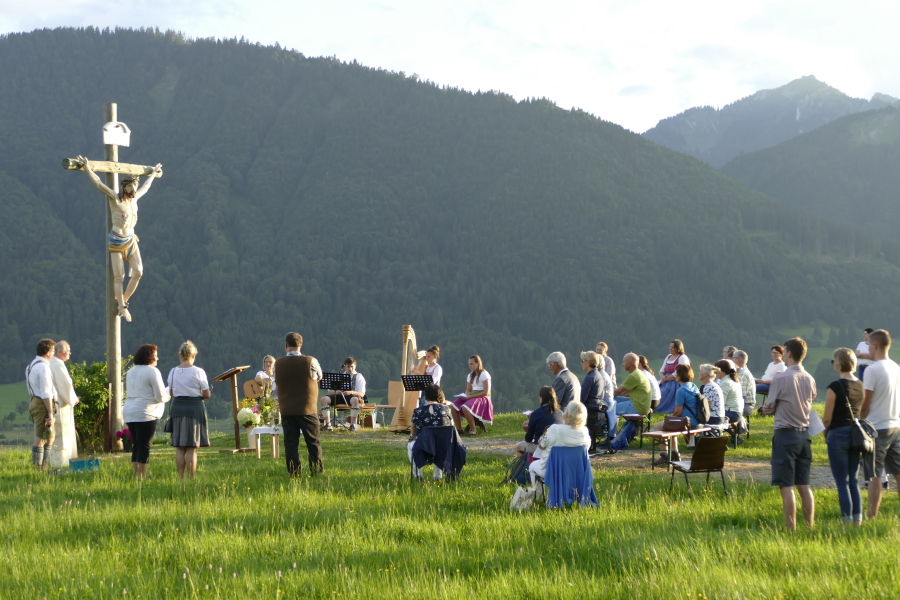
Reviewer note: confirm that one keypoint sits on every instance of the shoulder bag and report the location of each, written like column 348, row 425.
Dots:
column 862, row 432
column 169, row 426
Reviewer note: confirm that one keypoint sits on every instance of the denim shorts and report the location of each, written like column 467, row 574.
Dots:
column 791, row 457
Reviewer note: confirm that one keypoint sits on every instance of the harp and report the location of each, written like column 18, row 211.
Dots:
column 405, row 402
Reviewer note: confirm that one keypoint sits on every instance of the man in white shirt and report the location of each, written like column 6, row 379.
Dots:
column 39, row 380
column 748, row 383
column 882, row 407
column 863, row 354
column 352, row 397
column 65, row 447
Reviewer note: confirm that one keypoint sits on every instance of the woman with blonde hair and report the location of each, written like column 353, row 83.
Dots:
column 572, row 432
column 188, row 387
column 843, row 401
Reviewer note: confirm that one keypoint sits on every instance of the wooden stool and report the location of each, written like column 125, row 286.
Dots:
column 642, row 422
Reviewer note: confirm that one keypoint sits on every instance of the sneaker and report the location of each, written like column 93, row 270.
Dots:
column 354, row 427
column 328, row 428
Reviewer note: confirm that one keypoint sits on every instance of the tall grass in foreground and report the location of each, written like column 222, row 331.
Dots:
column 364, row 530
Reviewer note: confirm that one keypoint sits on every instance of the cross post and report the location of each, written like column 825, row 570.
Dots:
column 112, row 168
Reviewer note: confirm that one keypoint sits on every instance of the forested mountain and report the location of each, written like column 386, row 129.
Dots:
column 845, row 170
column 343, row 202
column 761, row 120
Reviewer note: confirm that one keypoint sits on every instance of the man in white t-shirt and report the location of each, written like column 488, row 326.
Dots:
column 882, row 407
column 863, row 354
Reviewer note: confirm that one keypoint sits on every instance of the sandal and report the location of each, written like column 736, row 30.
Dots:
column 472, row 434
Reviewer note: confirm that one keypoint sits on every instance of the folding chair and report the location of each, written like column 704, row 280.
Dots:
column 441, row 447
column 642, row 422
column 708, row 457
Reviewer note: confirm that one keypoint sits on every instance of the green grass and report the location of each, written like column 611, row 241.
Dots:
column 364, row 530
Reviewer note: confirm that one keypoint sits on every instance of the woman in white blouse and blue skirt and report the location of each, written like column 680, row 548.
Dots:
column 189, row 388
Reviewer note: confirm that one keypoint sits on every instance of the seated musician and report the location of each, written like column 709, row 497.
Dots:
column 434, row 413
column 352, row 397
column 266, row 377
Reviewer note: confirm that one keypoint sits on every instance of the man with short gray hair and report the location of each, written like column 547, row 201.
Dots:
column 65, row 446
column 748, row 382
column 566, row 385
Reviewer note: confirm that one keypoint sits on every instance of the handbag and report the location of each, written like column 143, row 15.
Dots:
column 676, row 424
column 862, row 432
column 523, row 499
column 169, row 427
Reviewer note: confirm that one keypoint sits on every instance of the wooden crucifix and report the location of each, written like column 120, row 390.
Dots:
column 121, row 217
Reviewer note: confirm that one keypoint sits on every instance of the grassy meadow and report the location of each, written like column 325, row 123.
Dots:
column 363, row 529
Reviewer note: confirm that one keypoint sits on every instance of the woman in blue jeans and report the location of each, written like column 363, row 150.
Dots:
column 842, row 403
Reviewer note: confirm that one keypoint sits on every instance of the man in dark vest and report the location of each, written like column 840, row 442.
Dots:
column 298, row 394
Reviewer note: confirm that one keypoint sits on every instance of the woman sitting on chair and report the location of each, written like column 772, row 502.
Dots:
column 475, row 405
column 572, row 433
column 266, row 377
column 434, row 413
column 539, row 420
column 668, row 386
column 685, row 406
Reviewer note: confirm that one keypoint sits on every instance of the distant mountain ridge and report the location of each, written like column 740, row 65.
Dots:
column 759, row 121
column 341, row 201
column 845, row 171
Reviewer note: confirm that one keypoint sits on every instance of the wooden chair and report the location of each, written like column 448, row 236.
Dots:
column 364, row 411
column 708, row 457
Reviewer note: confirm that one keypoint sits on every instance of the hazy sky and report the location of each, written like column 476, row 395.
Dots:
column 631, row 62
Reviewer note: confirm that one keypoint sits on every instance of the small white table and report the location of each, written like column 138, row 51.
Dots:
column 274, row 432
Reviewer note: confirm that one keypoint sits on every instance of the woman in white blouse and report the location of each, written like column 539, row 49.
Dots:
column 266, row 377
column 189, row 388
column 145, row 402
column 667, row 384
column 731, row 389
column 775, row 367
column 570, row 433
column 713, row 393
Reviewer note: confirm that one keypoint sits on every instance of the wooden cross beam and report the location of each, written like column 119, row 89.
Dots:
column 106, row 166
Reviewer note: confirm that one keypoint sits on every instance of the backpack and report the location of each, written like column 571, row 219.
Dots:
column 703, row 414
column 517, row 471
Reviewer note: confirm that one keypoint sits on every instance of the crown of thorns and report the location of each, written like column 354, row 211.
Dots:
column 130, row 179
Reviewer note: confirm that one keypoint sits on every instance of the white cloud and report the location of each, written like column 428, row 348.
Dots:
column 632, row 61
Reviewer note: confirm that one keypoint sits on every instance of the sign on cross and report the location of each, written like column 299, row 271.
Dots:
column 121, row 217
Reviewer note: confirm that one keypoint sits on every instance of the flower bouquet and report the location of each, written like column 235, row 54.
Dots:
column 268, row 409
column 249, row 417
column 124, row 436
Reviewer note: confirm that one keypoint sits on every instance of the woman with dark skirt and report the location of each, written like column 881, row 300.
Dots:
column 145, row 402
column 189, row 387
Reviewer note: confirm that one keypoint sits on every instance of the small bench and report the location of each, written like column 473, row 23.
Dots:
column 642, row 422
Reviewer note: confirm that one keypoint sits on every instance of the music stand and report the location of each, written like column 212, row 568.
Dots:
column 416, row 383
column 339, row 382
column 232, row 375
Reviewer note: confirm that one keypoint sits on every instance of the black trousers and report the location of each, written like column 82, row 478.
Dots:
column 308, row 426
column 142, row 435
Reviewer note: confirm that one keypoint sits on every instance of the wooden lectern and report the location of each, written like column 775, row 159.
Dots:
column 232, row 375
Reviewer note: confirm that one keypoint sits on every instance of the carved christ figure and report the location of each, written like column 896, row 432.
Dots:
column 122, row 241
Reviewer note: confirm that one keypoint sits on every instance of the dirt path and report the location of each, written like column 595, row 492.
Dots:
column 639, row 461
